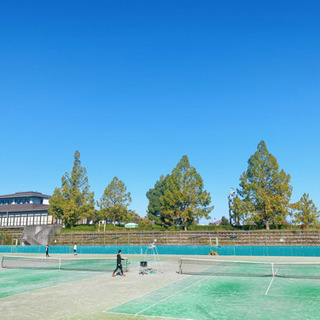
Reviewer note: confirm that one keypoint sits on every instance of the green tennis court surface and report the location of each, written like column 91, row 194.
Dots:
column 208, row 297
column 16, row 281
column 73, row 294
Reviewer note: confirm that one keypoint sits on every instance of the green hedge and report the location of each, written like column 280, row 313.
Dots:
column 112, row 228
column 210, row 228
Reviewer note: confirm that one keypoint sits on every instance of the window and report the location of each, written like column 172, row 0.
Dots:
column 44, row 219
column 30, row 220
column 4, row 221
column 36, row 219
column 23, row 221
column 11, row 221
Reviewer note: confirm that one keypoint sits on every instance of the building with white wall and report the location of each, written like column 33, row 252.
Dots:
column 25, row 208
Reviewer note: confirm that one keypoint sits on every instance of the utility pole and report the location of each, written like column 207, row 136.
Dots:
column 231, row 196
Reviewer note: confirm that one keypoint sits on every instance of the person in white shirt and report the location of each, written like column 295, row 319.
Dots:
column 47, row 251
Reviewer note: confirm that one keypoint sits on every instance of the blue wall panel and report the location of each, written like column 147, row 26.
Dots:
column 302, row 251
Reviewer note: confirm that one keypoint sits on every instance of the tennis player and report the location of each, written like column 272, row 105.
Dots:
column 47, row 251
column 75, row 249
column 119, row 265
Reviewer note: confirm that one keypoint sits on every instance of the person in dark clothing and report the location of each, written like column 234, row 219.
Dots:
column 47, row 251
column 119, row 265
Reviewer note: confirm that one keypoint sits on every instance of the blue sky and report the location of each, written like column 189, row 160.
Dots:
column 135, row 85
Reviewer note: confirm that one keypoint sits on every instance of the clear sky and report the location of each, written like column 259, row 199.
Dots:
column 135, row 85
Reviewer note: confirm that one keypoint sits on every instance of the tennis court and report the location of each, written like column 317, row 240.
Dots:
column 227, row 294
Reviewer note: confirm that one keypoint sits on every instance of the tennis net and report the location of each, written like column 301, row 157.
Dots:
column 208, row 267
column 91, row 264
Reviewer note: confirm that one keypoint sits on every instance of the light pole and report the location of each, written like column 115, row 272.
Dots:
column 231, row 195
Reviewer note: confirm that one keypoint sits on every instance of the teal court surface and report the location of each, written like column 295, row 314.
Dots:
column 74, row 294
column 229, row 298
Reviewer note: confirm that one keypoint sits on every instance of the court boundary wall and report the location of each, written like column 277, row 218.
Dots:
column 300, row 251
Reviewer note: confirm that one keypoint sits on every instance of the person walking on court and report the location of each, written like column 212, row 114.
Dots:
column 119, row 265
column 75, row 249
column 47, row 251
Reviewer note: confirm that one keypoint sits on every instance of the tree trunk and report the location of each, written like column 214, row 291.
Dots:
column 267, row 225
column 265, row 214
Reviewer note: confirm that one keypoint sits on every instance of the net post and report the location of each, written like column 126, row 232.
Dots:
column 2, row 262
column 180, row 266
column 59, row 263
column 126, row 265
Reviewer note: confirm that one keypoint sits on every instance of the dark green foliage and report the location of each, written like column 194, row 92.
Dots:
column 224, row 221
column 114, row 203
column 73, row 201
column 305, row 211
column 264, row 192
column 179, row 199
column 210, row 228
column 185, row 200
column 154, row 195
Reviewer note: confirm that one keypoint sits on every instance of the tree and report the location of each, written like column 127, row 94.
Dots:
column 73, row 201
column 114, row 202
column 133, row 216
column 224, row 221
column 239, row 209
column 265, row 191
column 144, row 222
column 305, row 211
column 184, row 199
column 154, row 195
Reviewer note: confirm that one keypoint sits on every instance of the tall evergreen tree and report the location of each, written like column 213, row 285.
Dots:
column 305, row 211
column 73, row 201
column 115, row 201
column 265, row 191
column 154, row 195
column 184, row 199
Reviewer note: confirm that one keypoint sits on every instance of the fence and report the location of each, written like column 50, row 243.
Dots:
column 10, row 236
column 193, row 238
column 204, row 238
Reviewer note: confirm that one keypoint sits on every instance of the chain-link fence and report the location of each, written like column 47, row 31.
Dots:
column 214, row 238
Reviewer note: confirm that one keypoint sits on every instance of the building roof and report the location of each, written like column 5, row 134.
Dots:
column 23, row 207
column 131, row 225
column 25, row 195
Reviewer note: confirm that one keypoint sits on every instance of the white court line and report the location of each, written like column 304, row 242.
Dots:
column 120, row 304
column 269, row 286
column 170, row 296
column 143, row 294
column 139, row 313
column 271, row 283
column 161, row 317
column 174, row 294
